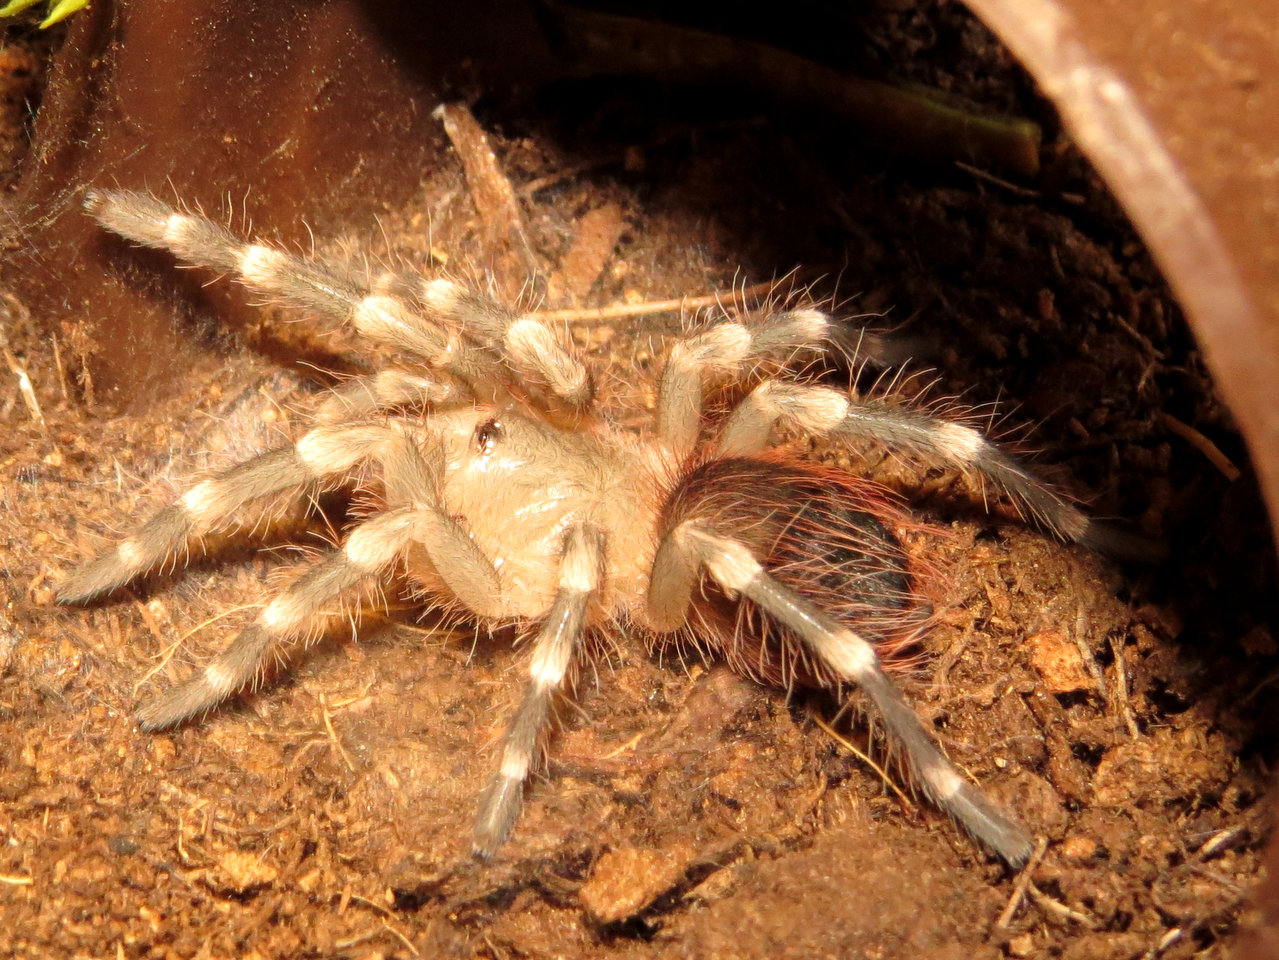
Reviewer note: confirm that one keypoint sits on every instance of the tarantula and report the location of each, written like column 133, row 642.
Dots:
column 499, row 493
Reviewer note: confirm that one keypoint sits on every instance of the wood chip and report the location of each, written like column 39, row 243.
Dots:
column 242, row 870
column 598, row 232
column 1058, row 662
column 627, row 879
column 490, row 189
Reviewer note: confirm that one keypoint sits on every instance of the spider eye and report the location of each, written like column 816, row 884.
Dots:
column 488, row 434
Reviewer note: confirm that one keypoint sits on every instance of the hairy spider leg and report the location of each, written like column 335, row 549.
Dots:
column 320, row 455
column 528, row 342
column 729, row 349
column 414, row 518
column 216, row 502
column 441, row 333
column 298, row 614
column 362, row 398
column 689, row 548
column 580, row 575
column 824, row 411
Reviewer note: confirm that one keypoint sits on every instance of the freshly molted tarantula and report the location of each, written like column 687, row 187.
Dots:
column 499, row 493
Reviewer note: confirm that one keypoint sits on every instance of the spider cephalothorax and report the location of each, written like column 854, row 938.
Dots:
column 499, row 494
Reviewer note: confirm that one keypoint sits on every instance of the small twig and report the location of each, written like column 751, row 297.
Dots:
column 305, row 748
column 624, row 748
column 1013, row 188
column 168, row 652
column 386, row 924
column 1219, row 841
column 1201, row 443
column 1146, row 343
column 356, row 940
column 1209, row 874
column 847, row 745
column 182, row 827
column 14, row 305
column 24, row 387
column 1167, row 940
column 339, row 705
column 490, row 189
column 946, row 662
column 541, row 183
column 370, row 903
column 16, row 880
column 810, row 805
column 148, row 619
column 1268, row 680
column 1019, row 890
column 1121, row 689
column 736, row 295
column 1058, row 909
column 62, row 373
column 333, row 735
column 1086, row 654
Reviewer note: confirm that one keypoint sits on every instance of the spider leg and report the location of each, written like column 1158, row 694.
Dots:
column 414, row 517
column 528, row 343
column 214, row 503
column 440, row 324
column 823, row 411
column 730, row 349
column 362, row 398
column 321, row 288
column 579, row 579
column 689, row 548
column 296, row 614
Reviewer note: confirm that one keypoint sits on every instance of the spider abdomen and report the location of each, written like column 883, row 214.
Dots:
column 826, row 534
